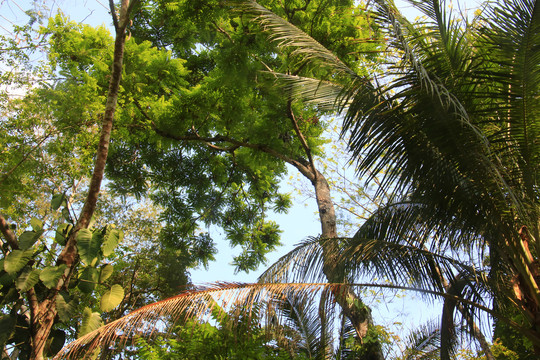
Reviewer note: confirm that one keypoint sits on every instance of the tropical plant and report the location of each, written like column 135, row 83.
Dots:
column 293, row 330
column 456, row 127
column 36, row 288
column 222, row 172
column 298, row 318
column 254, row 129
column 453, row 123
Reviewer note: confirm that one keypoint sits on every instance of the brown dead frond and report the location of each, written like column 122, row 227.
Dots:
column 197, row 303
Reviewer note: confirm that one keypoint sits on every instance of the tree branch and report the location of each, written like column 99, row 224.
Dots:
column 301, row 164
column 8, row 234
column 301, row 137
column 69, row 253
column 112, row 8
column 221, row 30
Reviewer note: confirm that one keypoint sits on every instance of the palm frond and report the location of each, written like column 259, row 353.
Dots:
column 155, row 318
column 324, row 95
column 299, row 314
column 513, row 42
column 198, row 303
column 303, row 264
column 288, row 36
column 423, row 343
column 384, row 118
column 427, row 129
column 442, row 38
column 377, row 254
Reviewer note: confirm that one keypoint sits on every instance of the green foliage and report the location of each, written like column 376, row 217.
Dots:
column 452, row 125
column 89, row 246
column 197, row 132
column 7, row 327
column 58, row 200
column 66, row 310
column 51, row 274
column 55, row 342
column 112, row 298
column 28, row 279
column 111, row 239
column 195, row 146
column 61, row 233
column 29, row 238
column 503, row 353
column 16, row 260
column 88, row 279
column 105, row 272
column 90, row 322
column 33, row 269
column 508, row 344
column 236, row 335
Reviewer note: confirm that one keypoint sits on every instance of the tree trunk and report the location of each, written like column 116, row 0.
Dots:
column 351, row 304
column 42, row 322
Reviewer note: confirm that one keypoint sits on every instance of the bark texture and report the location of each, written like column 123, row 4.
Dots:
column 351, row 304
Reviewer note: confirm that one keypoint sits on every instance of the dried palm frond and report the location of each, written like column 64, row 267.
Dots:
column 197, row 303
column 158, row 317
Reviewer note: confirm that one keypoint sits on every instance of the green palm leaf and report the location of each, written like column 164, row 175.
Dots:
column 424, row 343
column 286, row 35
column 324, row 95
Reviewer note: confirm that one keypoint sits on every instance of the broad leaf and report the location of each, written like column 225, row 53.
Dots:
column 27, row 279
column 36, row 224
column 6, row 279
column 89, row 245
column 16, row 260
column 29, row 238
column 88, row 280
column 7, row 326
column 66, row 214
column 57, row 201
column 105, row 273
column 51, row 275
column 55, row 342
column 90, row 322
column 112, row 298
column 112, row 238
column 62, row 233
column 11, row 295
column 65, row 309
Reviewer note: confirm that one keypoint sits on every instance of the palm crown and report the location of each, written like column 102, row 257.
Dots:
column 453, row 124
column 455, row 128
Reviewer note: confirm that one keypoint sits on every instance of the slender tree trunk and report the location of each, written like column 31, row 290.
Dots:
column 351, row 304
column 44, row 313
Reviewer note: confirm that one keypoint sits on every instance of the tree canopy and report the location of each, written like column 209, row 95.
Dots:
column 214, row 100
column 198, row 133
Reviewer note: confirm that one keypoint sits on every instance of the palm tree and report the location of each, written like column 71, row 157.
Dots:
column 456, row 127
column 453, row 123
